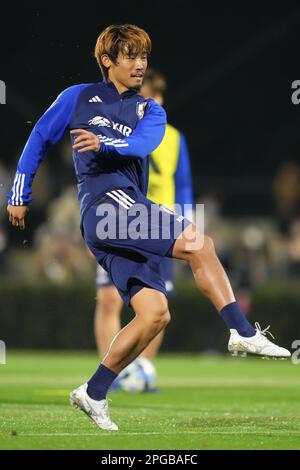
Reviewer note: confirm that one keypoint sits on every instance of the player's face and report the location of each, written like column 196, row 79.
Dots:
column 129, row 69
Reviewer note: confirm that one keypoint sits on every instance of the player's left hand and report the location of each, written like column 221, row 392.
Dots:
column 85, row 141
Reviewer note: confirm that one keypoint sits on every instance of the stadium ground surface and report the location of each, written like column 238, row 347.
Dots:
column 204, row 403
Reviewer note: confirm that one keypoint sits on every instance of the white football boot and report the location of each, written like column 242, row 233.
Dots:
column 258, row 344
column 96, row 410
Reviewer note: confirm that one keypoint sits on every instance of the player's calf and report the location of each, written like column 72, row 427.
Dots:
column 211, row 278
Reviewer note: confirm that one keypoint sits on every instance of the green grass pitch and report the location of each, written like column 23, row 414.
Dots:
column 204, row 403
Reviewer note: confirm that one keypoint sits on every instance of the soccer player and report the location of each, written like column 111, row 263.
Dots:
column 113, row 130
column 169, row 182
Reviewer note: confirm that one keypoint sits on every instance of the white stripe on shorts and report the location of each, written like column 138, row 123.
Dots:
column 126, row 195
column 122, row 198
column 124, row 204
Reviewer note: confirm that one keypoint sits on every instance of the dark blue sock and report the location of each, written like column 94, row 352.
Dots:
column 99, row 384
column 235, row 319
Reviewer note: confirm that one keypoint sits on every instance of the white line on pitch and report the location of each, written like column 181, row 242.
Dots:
column 158, row 433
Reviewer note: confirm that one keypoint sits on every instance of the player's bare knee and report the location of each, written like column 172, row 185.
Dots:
column 163, row 319
column 206, row 247
column 208, row 244
column 166, row 318
column 157, row 319
column 192, row 243
column 108, row 301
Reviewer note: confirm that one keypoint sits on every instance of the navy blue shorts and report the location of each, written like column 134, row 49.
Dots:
column 103, row 278
column 130, row 235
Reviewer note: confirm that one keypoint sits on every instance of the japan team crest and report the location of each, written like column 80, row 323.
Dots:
column 140, row 109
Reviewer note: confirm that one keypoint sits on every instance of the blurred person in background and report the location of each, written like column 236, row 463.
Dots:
column 4, row 187
column 250, row 261
column 286, row 195
column 293, row 264
column 60, row 256
column 170, row 183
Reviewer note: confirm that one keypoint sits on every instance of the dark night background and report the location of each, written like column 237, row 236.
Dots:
column 229, row 70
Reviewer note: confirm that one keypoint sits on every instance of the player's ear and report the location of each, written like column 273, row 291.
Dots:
column 106, row 60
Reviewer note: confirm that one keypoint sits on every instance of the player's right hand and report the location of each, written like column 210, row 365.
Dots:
column 16, row 215
column 85, row 141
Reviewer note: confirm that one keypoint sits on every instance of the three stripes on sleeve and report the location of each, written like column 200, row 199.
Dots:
column 18, row 189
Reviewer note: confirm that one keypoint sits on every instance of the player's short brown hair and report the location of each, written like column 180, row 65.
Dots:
column 125, row 38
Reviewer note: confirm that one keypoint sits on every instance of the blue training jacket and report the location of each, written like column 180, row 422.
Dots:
column 128, row 126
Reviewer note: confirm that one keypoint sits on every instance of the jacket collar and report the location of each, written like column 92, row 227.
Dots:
column 125, row 94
